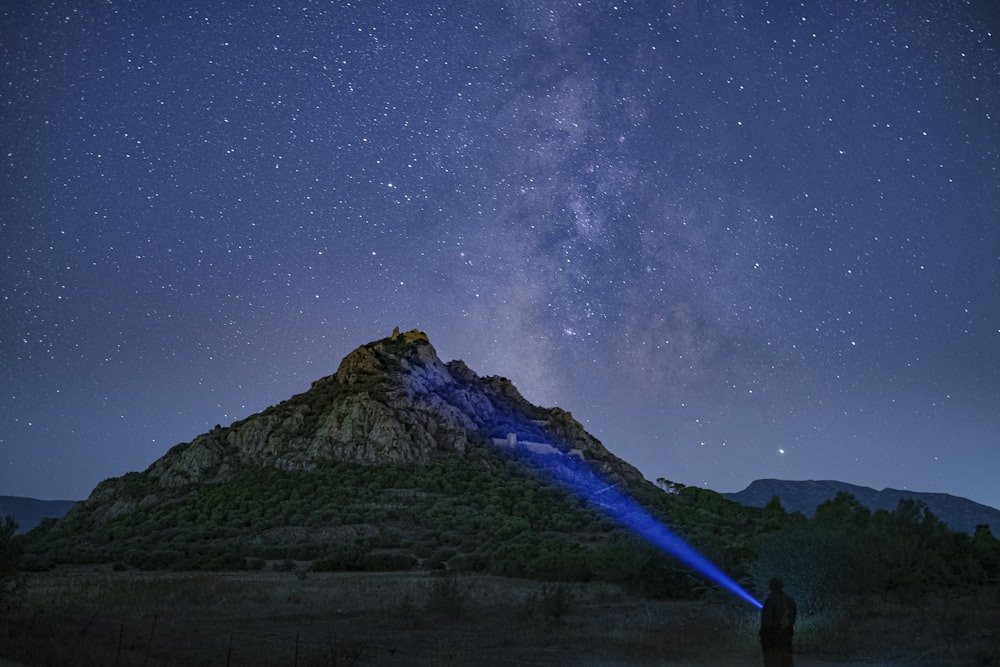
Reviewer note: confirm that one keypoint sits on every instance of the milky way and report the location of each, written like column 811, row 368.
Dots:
column 736, row 241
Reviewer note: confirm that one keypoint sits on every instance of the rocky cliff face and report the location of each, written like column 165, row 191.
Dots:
column 392, row 400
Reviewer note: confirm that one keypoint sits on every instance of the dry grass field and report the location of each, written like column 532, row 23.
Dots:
column 98, row 616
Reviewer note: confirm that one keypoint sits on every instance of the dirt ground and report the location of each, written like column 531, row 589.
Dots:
column 96, row 616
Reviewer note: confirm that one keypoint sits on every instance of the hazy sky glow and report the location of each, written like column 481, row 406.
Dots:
column 736, row 240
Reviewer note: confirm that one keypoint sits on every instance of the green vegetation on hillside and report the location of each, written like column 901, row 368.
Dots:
column 491, row 514
column 11, row 549
column 487, row 515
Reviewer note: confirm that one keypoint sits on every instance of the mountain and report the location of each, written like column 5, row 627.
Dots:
column 28, row 512
column 397, row 455
column 957, row 513
column 390, row 401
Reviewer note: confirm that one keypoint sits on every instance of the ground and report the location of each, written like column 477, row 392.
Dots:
column 98, row 616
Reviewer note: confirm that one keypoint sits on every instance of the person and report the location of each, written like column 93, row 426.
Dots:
column 777, row 625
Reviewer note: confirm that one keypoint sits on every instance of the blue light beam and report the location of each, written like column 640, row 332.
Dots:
column 577, row 477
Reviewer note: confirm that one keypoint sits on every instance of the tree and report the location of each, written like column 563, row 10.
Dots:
column 11, row 550
column 844, row 511
column 773, row 515
column 986, row 549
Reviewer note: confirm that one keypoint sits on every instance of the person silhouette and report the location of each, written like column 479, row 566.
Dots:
column 777, row 625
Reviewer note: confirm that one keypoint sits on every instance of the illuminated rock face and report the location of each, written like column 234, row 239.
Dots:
column 411, row 336
column 390, row 401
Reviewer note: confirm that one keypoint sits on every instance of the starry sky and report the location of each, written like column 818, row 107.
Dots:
column 737, row 240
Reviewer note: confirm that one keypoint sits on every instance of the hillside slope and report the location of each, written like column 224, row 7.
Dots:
column 397, row 460
column 391, row 401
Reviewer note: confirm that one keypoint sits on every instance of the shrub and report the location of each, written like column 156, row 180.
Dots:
column 286, row 565
column 389, row 562
column 226, row 562
column 447, row 598
column 556, row 604
column 36, row 563
column 472, row 562
column 434, row 563
column 343, row 557
column 11, row 550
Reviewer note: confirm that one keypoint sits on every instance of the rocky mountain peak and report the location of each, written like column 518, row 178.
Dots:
column 390, row 401
column 408, row 359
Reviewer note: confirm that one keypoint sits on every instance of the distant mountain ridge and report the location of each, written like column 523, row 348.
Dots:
column 805, row 496
column 29, row 512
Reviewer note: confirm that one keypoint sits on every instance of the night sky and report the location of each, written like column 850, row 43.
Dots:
column 736, row 240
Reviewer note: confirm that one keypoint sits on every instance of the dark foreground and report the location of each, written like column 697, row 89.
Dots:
column 96, row 616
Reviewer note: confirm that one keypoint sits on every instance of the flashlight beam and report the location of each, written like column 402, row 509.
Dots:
column 577, row 477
